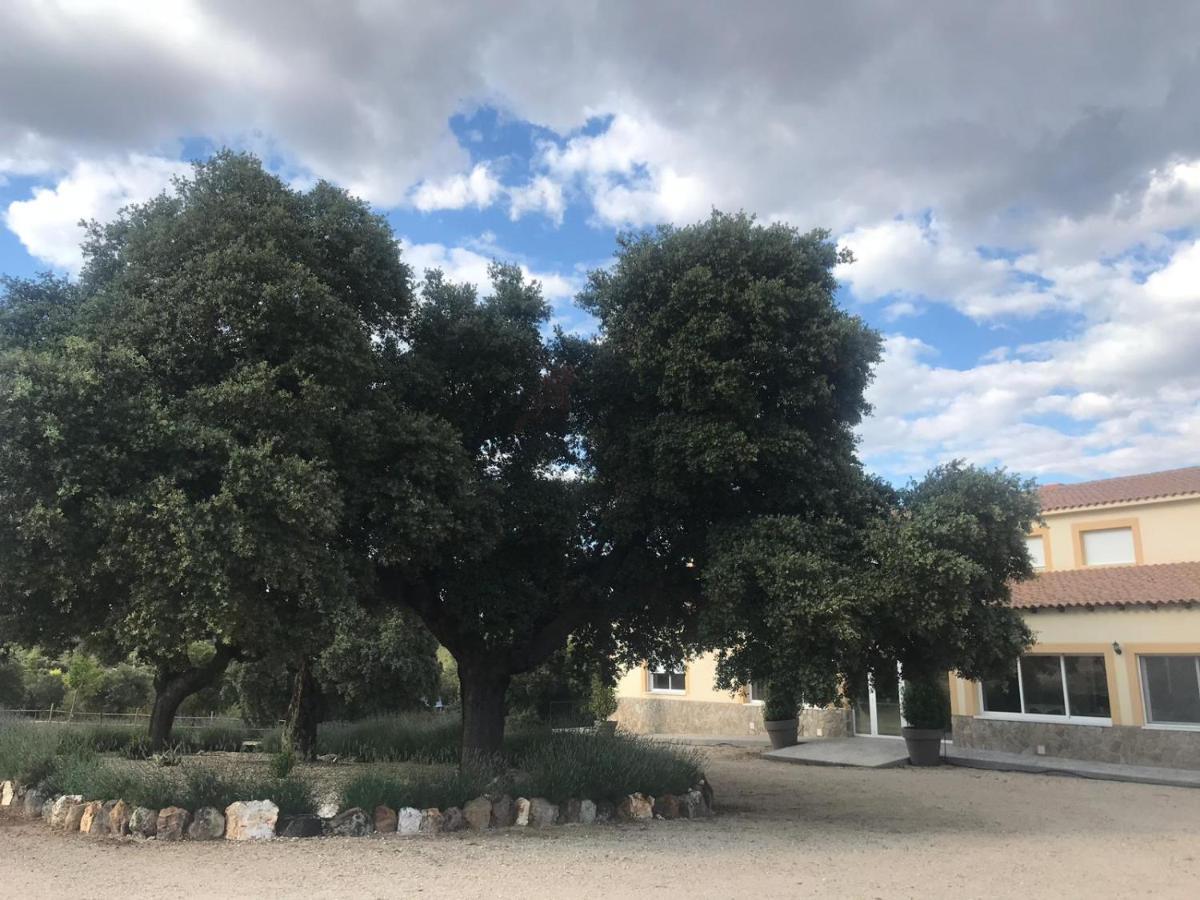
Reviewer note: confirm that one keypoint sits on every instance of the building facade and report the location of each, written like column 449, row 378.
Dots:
column 1114, row 675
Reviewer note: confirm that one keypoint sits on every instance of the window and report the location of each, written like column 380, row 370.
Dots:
column 663, row 681
column 1037, row 550
column 1072, row 687
column 754, row 694
column 1171, row 686
column 1108, row 547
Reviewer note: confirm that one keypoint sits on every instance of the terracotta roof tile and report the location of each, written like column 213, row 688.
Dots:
column 1121, row 490
column 1155, row 585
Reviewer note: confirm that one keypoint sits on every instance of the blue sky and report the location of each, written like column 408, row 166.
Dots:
column 1024, row 219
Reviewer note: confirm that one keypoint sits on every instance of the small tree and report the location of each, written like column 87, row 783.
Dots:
column 921, row 575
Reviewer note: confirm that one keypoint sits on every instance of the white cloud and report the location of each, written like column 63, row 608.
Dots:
column 904, row 260
column 468, row 264
column 541, row 194
column 1126, row 383
column 48, row 223
column 478, row 188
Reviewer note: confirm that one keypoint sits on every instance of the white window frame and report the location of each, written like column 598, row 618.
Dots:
column 1146, row 705
column 1041, row 717
column 750, row 695
column 650, row 673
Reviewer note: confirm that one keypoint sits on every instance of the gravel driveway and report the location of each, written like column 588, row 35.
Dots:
column 784, row 831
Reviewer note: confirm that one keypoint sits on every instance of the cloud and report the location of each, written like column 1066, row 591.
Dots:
column 1122, row 395
column 839, row 115
column 470, row 265
column 47, row 224
column 478, row 188
column 902, row 260
column 541, row 194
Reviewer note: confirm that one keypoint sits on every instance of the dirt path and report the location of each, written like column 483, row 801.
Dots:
column 784, row 831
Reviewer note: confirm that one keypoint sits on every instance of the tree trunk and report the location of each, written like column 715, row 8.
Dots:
column 173, row 686
column 483, row 709
column 304, row 713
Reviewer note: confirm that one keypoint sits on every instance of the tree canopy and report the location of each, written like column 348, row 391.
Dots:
column 245, row 419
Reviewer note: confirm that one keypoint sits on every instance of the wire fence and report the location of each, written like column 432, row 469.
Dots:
column 60, row 715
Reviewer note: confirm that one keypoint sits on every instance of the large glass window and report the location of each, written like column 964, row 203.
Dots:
column 1068, row 686
column 1002, row 694
column 1172, row 689
column 1042, row 686
column 1108, row 547
column 668, row 681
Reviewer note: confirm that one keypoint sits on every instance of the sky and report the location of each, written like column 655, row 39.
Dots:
column 1019, row 183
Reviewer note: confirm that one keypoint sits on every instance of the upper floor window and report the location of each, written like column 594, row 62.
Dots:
column 668, row 681
column 1036, row 545
column 1108, row 547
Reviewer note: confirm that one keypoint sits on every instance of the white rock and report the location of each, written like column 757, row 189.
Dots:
column 251, row 820
column 408, row 820
column 522, row 811
column 58, row 814
column 8, row 793
column 329, row 807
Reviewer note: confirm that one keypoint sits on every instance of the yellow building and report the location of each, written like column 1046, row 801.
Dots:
column 1115, row 672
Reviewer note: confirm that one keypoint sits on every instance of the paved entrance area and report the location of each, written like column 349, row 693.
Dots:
column 871, row 753
column 883, row 753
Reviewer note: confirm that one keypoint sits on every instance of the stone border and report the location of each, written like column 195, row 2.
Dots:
column 250, row 820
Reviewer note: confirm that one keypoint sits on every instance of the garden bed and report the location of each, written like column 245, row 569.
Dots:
column 78, row 780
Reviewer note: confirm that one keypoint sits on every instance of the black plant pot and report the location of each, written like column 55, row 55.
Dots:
column 924, row 746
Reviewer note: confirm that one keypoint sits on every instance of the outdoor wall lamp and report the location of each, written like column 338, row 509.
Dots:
column 1116, row 648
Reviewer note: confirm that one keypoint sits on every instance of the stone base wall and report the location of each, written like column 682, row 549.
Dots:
column 1099, row 743
column 825, row 722
column 661, row 715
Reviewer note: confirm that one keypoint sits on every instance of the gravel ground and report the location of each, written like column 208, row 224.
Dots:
column 783, row 831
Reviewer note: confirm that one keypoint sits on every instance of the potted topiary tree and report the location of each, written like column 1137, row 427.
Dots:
column 926, row 708
column 779, row 715
column 602, row 703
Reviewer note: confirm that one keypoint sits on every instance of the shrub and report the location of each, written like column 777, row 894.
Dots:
column 282, row 763
column 422, row 737
column 926, row 703
column 435, row 786
column 779, row 703
column 28, row 752
column 602, row 701
column 605, row 767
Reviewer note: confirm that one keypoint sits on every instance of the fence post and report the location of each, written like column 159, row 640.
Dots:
column 50, row 717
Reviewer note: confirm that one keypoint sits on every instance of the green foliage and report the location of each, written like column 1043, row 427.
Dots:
column 437, row 786
column 557, row 766
column 602, row 701
column 921, row 576
column 66, row 759
column 926, row 702
column 282, row 763
column 604, row 767
column 780, row 701
column 12, row 684
column 416, row 736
